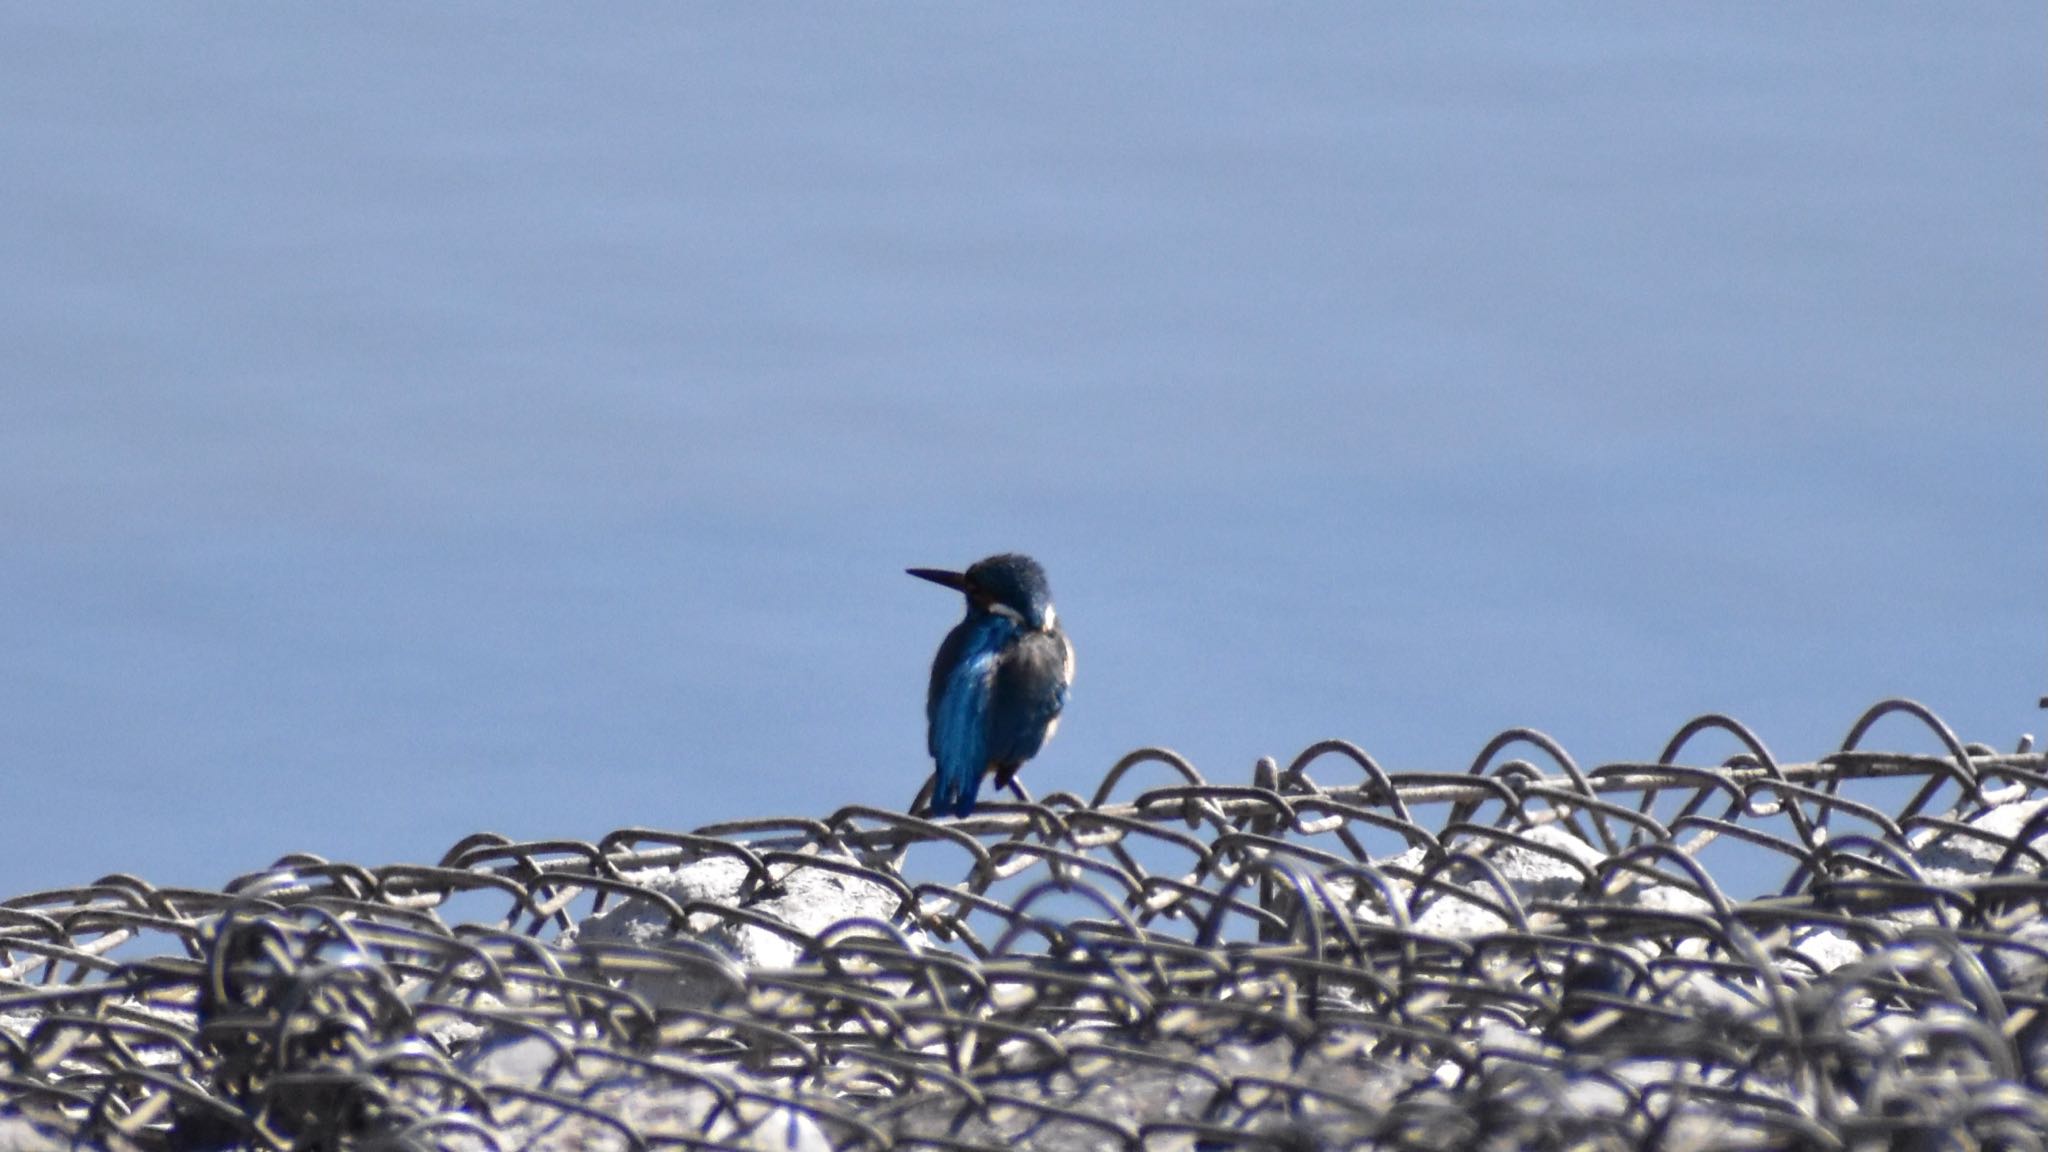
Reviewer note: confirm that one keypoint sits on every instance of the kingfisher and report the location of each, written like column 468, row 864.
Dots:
column 999, row 681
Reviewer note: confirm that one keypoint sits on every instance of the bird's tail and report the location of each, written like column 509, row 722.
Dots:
column 959, row 735
column 956, row 789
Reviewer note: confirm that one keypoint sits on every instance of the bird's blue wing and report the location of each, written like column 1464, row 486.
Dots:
column 1027, row 695
column 963, row 678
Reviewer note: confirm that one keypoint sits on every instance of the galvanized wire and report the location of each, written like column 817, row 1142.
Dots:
column 1329, row 955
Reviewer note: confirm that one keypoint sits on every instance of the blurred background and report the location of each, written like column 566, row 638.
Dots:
column 423, row 420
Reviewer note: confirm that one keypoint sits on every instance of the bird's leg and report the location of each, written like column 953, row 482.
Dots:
column 1006, row 777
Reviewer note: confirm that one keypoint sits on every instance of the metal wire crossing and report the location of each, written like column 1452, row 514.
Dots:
column 1330, row 955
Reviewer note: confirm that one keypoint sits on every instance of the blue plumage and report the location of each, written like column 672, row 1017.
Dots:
column 959, row 736
column 999, row 681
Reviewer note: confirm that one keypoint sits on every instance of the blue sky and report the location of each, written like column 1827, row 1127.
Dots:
column 434, row 420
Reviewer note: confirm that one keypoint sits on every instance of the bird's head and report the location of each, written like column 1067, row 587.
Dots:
column 1010, row 585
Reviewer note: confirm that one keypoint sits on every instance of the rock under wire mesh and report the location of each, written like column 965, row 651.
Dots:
column 1330, row 955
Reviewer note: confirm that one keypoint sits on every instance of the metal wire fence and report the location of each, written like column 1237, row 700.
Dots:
column 1329, row 955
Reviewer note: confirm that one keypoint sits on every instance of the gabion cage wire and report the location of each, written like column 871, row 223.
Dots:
column 1527, row 954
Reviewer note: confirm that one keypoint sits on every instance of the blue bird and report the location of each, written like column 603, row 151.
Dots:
column 999, row 680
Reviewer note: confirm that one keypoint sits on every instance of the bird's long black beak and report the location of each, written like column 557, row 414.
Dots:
column 957, row 581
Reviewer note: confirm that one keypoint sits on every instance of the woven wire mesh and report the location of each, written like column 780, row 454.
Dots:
column 1329, row 955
